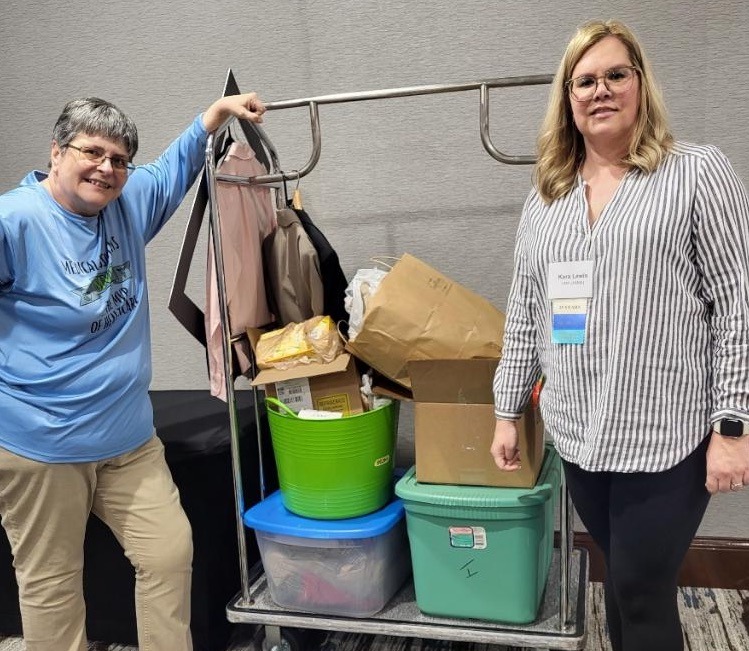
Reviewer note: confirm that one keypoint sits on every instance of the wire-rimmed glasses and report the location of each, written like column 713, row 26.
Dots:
column 617, row 80
column 97, row 157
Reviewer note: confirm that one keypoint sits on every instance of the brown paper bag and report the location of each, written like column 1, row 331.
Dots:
column 419, row 313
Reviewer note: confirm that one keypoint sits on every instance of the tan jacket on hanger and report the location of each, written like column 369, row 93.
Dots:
column 292, row 268
column 247, row 218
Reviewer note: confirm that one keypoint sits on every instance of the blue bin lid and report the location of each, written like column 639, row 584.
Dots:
column 488, row 497
column 272, row 516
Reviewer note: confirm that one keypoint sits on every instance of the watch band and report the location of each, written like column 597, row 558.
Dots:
column 733, row 428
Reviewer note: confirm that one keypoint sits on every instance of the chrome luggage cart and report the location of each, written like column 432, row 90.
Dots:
column 561, row 623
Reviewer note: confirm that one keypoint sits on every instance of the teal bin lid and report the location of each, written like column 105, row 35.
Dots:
column 272, row 516
column 488, row 497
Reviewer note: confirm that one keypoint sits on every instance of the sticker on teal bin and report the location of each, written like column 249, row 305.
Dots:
column 468, row 537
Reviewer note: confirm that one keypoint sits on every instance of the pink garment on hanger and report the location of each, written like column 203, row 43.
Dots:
column 247, row 218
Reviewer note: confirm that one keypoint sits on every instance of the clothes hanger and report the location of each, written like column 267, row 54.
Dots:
column 284, row 185
column 296, row 197
column 222, row 148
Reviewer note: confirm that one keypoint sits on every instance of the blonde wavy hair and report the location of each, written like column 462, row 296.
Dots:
column 561, row 149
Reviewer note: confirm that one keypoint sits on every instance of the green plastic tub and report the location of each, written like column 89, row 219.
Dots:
column 478, row 552
column 334, row 469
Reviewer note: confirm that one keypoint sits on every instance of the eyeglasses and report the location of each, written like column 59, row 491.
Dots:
column 617, row 80
column 97, row 156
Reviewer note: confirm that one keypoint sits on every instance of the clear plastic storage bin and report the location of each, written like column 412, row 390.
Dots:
column 349, row 567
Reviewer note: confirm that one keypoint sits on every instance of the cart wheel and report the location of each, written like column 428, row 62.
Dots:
column 292, row 639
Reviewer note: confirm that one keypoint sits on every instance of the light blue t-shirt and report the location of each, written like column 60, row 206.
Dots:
column 75, row 346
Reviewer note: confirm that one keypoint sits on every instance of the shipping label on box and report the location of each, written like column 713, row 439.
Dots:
column 334, row 402
column 295, row 394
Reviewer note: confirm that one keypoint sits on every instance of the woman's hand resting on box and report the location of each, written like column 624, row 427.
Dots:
column 504, row 447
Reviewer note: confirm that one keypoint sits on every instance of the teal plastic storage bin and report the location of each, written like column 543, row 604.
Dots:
column 346, row 567
column 334, row 469
column 478, row 552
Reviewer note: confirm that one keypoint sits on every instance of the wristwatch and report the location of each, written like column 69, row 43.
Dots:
column 733, row 428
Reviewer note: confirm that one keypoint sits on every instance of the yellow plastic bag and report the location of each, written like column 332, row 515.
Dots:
column 313, row 340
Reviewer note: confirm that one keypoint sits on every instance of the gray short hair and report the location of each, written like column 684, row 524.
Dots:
column 95, row 117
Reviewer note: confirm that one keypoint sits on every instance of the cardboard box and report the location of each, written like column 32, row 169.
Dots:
column 329, row 387
column 454, row 426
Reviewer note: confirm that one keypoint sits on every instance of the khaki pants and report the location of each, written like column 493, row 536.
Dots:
column 44, row 508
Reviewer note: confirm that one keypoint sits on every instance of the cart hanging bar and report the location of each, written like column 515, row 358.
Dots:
column 411, row 91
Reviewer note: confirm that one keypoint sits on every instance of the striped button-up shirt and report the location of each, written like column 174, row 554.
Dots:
column 666, row 349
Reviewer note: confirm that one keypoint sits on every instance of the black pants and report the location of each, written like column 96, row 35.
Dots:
column 643, row 523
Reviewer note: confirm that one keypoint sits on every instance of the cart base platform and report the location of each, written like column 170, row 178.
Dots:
column 401, row 616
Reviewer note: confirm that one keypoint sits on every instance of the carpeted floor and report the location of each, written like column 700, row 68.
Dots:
column 714, row 620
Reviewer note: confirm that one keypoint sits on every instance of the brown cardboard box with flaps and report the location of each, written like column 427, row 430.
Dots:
column 454, row 426
column 334, row 386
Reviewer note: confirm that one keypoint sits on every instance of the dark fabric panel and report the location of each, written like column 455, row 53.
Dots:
column 333, row 278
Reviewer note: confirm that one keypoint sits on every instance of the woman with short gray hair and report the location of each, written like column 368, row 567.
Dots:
column 77, row 434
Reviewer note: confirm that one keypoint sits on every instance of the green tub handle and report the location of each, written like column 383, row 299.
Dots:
column 280, row 407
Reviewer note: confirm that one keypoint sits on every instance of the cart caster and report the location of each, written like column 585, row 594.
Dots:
column 284, row 639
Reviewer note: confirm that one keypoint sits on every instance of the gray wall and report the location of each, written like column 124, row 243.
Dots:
column 397, row 175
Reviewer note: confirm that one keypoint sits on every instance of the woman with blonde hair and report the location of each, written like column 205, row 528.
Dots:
column 631, row 296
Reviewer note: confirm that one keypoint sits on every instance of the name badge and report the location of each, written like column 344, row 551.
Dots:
column 569, row 286
column 570, row 280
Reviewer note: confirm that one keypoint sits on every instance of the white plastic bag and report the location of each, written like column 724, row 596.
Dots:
column 363, row 285
column 370, row 400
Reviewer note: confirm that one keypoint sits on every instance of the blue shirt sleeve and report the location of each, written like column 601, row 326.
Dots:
column 154, row 191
